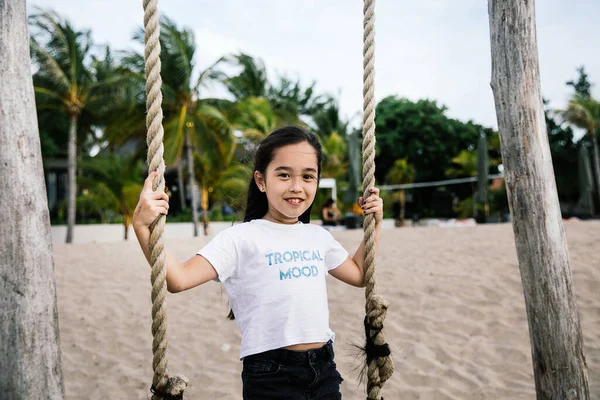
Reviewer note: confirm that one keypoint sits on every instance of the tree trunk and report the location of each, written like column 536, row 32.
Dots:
column 596, row 164
column 559, row 364
column 475, row 196
column 30, row 365
column 72, row 169
column 192, row 181
column 127, row 223
column 204, row 206
column 181, row 185
column 402, row 205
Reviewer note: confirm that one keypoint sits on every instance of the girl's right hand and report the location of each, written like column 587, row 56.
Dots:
column 150, row 205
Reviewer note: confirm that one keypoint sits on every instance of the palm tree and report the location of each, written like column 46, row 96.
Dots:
column 254, row 117
column 114, row 182
column 401, row 173
column 333, row 132
column 287, row 98
column 464, row 164
column 584, row 112
column 65, row 81
column 290, row 101
column 252, row 79
column 187, row 115
column 219, row 174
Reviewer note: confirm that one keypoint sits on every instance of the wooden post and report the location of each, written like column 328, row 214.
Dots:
column 30, row 366
column 556, row 342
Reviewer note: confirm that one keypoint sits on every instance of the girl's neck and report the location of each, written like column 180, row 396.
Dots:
column 279, row 219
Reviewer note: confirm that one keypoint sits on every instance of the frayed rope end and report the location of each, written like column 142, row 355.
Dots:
column 173, row 390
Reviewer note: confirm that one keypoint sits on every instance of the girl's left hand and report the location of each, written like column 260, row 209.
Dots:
column 373, row 205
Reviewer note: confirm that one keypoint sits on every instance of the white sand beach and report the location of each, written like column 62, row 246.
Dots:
column 456, row 323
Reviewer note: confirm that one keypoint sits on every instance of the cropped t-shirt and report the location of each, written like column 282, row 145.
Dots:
column 274, row 275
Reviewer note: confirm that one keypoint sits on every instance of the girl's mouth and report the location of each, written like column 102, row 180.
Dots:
column 294, row 201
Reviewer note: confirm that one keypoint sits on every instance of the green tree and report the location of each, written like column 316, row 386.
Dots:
column 254, row 117
column 463, row 165
column 421, row 133
column 335, row 163
column 401, row 173
column 113, row 182
column 65, row 80
column 582, row 86
column 290, row 101
column 252, row 79
column 221, row 179
column 187, row 114
column 333, row 132
column 584, row 112
column 564, row 154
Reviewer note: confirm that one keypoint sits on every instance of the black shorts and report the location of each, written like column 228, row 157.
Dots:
column 292, row 375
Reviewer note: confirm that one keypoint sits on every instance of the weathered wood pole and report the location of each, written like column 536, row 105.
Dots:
column 556, row 343
column 30, row 366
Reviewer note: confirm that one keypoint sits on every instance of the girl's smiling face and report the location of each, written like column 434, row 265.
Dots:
column 290, row 182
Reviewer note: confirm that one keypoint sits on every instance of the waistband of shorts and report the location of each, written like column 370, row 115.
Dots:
column 294, row 357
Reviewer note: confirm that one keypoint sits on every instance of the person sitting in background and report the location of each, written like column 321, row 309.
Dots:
column 330, row 215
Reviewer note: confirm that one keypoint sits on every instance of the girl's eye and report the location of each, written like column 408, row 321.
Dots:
column 309, row 177
column 283, row 175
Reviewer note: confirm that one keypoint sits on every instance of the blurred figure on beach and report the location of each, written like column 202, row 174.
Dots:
column 330, row 215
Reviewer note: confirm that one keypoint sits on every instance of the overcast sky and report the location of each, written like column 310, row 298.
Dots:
column 435, row 49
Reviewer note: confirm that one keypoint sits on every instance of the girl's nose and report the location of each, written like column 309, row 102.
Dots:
column 295, row 185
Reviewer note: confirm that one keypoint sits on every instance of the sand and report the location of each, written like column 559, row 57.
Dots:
column 456, row 324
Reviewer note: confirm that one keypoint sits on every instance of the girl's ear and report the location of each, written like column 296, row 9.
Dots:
column 259, row 180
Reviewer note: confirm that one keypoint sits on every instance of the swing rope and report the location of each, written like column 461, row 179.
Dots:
column 380, row 366
column 163, row 386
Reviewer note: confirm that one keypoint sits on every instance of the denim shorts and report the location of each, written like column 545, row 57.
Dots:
column 292, row 375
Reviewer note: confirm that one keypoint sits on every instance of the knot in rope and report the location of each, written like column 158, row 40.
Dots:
column 173, row 390
column 377, row 349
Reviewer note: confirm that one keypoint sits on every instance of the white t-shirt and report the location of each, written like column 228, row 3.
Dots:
column 274, row 275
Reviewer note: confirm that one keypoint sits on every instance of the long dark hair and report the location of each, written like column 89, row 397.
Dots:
column 256, row 204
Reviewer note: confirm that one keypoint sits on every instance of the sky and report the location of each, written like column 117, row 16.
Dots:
column 425, row 49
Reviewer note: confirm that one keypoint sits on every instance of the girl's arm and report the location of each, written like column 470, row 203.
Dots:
column 180, row 276
column 352, row 270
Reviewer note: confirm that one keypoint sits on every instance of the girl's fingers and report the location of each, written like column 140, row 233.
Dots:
column 161, row 210
column 160, row 204
column 373, row 198
column 148, row 181
column 372, row 209
column 371, row 206
column 155, row 196
column 159, row 196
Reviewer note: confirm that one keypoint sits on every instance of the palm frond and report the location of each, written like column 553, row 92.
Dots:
column 49, row 65
column 582, row 112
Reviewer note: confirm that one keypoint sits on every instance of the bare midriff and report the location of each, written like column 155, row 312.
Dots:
column 305, row 346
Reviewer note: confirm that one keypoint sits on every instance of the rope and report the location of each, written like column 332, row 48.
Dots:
column 380, row 366
column 163, row 386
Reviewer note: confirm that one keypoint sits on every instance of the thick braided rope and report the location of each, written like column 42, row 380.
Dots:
column 379, row 369
column 162, row 385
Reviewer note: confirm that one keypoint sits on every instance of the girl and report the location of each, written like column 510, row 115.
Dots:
column 273, row 269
